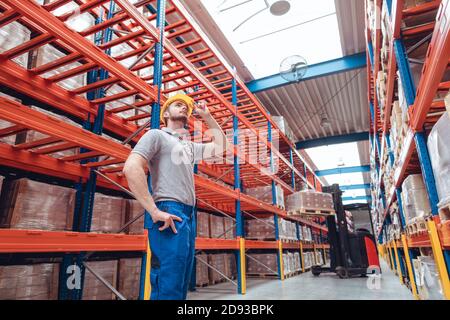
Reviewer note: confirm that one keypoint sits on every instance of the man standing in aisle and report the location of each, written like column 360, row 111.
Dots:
column 169, row 218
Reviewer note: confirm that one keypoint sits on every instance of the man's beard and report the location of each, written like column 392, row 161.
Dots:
column 179, row 118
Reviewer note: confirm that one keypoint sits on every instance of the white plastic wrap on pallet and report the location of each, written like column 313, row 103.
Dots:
column 415, row 198
column 13, row 35
column 427, row 278
column 439, row 150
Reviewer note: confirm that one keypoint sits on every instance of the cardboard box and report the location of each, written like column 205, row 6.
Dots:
column 217, row 260
column 28, row 204
column 260, row 228
column 229, row 225
column 309, row 200
column 202, row 272
column 29, row 282
column 216, row 226
column 93, row 288
column 203, row 224
column 267, row 259
column 133, row 210
column 108, row 214
column 129, row 275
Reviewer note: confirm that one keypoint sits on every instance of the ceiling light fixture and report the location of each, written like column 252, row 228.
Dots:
column 276, row 7
column 324, row 121
column 279, row 7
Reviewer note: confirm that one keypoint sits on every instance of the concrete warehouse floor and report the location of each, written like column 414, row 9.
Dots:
column 308, row 287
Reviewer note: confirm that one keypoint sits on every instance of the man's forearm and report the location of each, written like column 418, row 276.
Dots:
column 219, row 139
column 137, row 182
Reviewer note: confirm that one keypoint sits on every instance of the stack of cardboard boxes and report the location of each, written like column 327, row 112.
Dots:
column 309, row 199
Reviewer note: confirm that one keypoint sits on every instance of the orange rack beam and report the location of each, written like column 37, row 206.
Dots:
column 216, row 244
column 21, row 241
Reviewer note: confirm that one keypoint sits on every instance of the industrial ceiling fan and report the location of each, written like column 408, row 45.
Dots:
column 276, row 8
column 293, row 68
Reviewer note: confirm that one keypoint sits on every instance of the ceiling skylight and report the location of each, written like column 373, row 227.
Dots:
column 340, row 156
column 263, row 39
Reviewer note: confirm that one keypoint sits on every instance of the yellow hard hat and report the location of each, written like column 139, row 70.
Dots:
column 179, row 97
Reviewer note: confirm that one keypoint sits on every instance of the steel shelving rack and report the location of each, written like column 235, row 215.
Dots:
column 182, row 57
column 423, row 113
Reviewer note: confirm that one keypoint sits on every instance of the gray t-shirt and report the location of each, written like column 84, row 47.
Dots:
column 171, row 163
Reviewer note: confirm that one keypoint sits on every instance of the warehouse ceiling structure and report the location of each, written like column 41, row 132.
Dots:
column 330, row 100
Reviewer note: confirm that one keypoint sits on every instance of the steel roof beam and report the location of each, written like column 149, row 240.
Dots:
column 353, row 137
column 322, row 69
column 322, row 173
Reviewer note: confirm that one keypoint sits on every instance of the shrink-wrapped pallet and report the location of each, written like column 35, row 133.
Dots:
column 216, row 226
column 49, row 53
column 287, row 230
column 297, row 262
column 268, row 260
column 129, row 275
column 217, row 260
column 133, row 210
column 439, row 150
column 203, row 224
column 415, row 198
column 93, row 288
column 286, row 264
column 28, row 204
column 309, row 199
column 264, row 194
column 428, row 282
column 306, row 233
column 12, row 35
column 284, row 127
column 108, row 214
column 201, row 276
column 29, row 282
column 260, row 228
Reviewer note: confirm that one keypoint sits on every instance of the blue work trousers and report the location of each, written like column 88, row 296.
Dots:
column 172, row 253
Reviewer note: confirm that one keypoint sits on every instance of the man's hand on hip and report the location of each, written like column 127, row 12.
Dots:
column 167, row 218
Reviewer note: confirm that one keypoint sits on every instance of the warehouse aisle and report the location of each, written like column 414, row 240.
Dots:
column 308, row 287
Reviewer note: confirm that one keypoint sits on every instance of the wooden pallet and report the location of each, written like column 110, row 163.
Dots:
column 311, row 212
column 261, row 238
column 417, row 226
column 288, row 240
column 262, row 275
column 218, row 281
column 202, row 285
column 292, row 274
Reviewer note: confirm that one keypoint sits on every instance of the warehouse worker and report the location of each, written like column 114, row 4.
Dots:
column 169, row 218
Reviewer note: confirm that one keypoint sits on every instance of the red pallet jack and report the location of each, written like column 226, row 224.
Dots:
column 351, row 253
